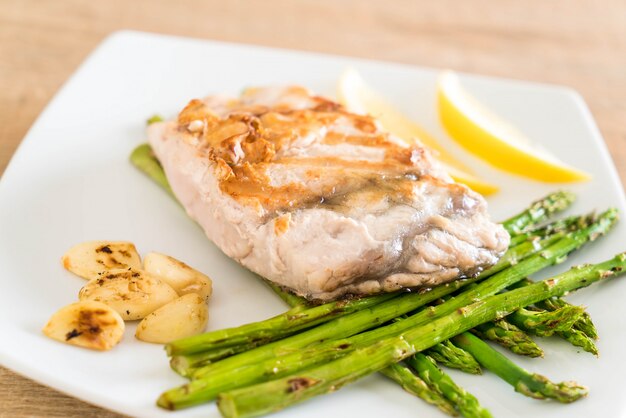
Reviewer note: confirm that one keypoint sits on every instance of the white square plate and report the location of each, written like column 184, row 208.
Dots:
column 70, row 181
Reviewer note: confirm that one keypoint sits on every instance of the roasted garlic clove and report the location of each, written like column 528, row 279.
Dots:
column 180, row 276
column 88, row 259
column 132, row 293
column 183, row 317
column 86, row 324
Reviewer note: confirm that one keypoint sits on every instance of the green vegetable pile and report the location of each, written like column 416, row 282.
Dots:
column 262, row 367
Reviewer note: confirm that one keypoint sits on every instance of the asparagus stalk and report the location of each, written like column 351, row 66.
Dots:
column 271, row 329
column 570, row 223
column 284, row 356
column 289, row 298
column 539, row 211
column 529, row 384
column 463, row 401
column 546, row 323
column 143, row 158
column 277, row 394
column 186, row 364
column 285, row 362
column 510, row 337
column 337, row 328
column 398, row 372
column 207, row 388
column 251, row 367
column 515, row 254
column 274, row 359
column 403, row 376
column 449, row 355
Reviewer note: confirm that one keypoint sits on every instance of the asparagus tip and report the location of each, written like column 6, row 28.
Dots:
column 528, row 350
column 546, row 323
column 165, row 403
column 565, row 392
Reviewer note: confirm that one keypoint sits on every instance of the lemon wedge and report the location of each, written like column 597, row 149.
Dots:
column 358, row 97
column 490, row 138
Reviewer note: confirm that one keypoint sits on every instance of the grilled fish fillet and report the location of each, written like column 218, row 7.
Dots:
column 319, row 200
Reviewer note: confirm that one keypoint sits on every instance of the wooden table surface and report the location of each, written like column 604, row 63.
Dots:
column 577, row 43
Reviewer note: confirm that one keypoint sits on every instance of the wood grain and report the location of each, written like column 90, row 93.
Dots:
column 577, row 43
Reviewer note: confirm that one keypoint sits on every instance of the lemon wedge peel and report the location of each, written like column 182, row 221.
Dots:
column 498, row 143
column 354, row 93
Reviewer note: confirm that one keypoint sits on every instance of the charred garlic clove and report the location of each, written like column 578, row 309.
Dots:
column 88, row 259
column 132, row 293
column 86, row 324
